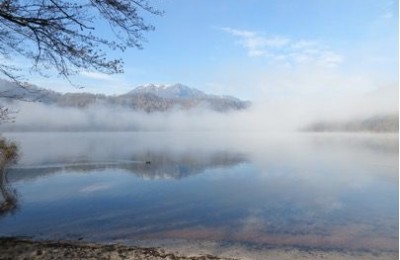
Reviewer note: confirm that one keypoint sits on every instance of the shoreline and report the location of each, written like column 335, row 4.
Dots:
column 23, row 248
column 28, row 248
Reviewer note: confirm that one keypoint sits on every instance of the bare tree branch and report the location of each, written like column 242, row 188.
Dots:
column 64, row 33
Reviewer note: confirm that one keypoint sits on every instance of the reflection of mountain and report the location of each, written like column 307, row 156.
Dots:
column 161, row 166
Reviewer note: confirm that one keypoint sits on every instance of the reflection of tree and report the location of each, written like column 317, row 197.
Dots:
column 163, row 165
column 385, row 143
column 8, row 200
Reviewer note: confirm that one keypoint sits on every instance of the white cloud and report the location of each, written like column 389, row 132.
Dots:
column 96, row 75
column 330, row 59
column 241, row 33
column 387, row 15
column 256, row 53
column 283, row 49
column 256, row 44
column 388, row 9
column 302, row 44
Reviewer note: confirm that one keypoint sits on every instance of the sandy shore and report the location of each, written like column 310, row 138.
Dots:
column 19, row 248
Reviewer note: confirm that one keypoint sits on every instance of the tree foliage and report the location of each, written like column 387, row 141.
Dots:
column 61, row 34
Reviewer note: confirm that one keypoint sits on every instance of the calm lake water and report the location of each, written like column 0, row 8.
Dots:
column 330, row 191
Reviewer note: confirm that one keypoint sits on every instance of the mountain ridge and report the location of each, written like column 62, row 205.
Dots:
column 148, row 98
column 168, row 91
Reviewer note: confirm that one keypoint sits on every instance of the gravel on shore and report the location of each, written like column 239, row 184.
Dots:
column 21, row 248
column 18, row 248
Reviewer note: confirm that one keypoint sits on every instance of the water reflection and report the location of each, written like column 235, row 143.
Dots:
column 156, row 166
column 329, row 191
column 9, row 198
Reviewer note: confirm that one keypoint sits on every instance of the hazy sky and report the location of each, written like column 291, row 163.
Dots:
column 261, row 48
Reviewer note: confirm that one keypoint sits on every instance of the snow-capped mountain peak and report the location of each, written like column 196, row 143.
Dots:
column 169, row 91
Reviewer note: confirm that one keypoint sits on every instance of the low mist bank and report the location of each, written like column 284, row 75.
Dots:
column 276, row 116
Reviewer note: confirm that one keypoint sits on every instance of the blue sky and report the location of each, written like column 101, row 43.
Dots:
column 253, row 48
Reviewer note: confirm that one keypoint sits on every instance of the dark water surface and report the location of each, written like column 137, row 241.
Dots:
column 327, row 191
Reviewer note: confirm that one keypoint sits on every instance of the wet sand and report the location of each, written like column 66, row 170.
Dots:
column 20, row 248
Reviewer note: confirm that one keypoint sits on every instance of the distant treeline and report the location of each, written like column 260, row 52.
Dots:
column 379, row 123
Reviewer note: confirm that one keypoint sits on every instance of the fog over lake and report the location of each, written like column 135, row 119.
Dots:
column 329, row 191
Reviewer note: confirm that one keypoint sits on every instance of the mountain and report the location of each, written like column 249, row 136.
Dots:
column 176, row 91
column 149, row 98
column 164, row 97
column 10, row 91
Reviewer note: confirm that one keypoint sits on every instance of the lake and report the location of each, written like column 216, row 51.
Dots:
column 327, row 191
